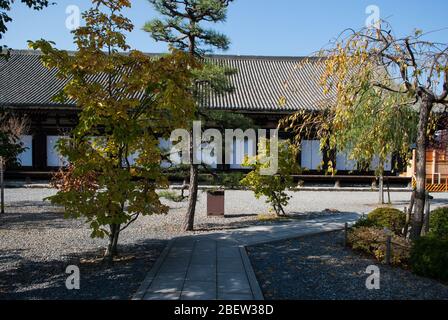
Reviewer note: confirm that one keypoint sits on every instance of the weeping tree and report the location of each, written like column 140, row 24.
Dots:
column 127, row 101
column 183, row 26
column 403, row 72
column 369, row 130
column 373, row 130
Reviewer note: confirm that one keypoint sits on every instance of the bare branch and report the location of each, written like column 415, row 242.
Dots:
column 135, row 216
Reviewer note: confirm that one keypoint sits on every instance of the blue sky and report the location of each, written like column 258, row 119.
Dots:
column 255, row 27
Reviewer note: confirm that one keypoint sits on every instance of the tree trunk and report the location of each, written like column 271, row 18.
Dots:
column 193, row 189
column 420, row 176
column 427, row 213
column 112, row 248
column 389, row 201
column 381, row 189
column 408, row 215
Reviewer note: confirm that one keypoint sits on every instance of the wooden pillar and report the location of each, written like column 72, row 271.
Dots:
column 40, row 151
column 433, row 166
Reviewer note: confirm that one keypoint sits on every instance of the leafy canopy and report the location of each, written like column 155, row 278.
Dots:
column 378, row 82
column 362, row 120
column 127, row 101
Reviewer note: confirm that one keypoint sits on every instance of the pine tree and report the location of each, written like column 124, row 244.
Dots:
column 182, row 27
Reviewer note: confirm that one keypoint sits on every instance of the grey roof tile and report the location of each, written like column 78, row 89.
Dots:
column 259, row 82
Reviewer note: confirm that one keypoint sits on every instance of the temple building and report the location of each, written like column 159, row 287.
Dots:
column 266, row 89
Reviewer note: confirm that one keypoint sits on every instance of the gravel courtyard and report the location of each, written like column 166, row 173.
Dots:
column 37, row 243
column 319, row 268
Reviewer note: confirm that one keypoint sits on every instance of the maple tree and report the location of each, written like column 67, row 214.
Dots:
column 127, row 102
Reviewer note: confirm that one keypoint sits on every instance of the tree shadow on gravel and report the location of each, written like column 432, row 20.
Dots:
column 27, row 279
column 33, row 220
column 294, row 216
column 22, row 204
column 319, row 267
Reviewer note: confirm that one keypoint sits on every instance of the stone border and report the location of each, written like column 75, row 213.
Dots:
column 255, row 289
column 141, row 291
column 257, row 293
column 310, row 234
column 287, row 237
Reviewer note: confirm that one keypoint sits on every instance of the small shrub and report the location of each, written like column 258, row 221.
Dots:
column 429, row 257
column 231, row 180
column 438, row 222
column 390, row 218
column 171, row 195
column 176, row 172
column 364, row 222
column 372, row 240
column 263, row 183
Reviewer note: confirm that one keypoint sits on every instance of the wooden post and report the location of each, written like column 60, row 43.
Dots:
column 337, row 184
column 345, row 234
column 2, row 185
column 388, row 248
column 433, row 166
column 374, row 186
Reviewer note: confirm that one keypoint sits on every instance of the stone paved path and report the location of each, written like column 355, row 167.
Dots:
column 216, row 266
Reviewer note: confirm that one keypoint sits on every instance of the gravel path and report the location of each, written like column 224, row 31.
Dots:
column 244, row 203
column 37, row 243
column 30, row 279
column 319, row 268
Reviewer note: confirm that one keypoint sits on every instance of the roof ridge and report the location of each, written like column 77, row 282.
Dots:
column 216, row 56
column 260, row 57
column 259, row 83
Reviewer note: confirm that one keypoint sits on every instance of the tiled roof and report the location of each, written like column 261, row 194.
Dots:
column 270, row 84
